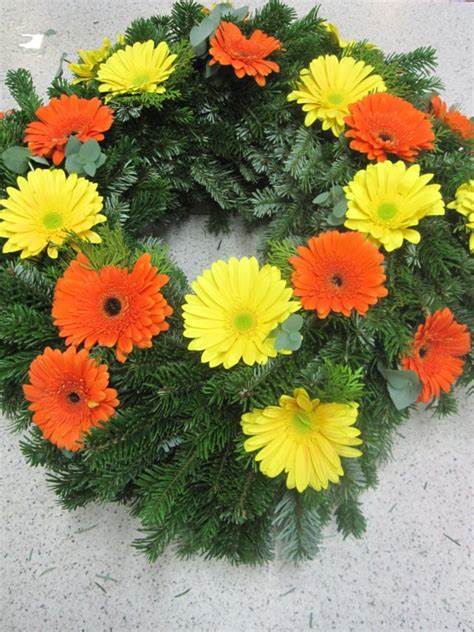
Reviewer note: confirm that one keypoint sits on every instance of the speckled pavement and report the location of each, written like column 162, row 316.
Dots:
column 76, row 571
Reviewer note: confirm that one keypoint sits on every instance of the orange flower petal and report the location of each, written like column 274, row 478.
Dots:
column 63, row 117
column 453, row 119
column 435, row 352
column 382, row 124
column 338, row 272
column 112, row 306
column 68, row 394
column 230, row 47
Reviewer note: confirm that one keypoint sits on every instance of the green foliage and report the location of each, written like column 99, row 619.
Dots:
column 83, row 158
column 174, row 452
column 20, row 84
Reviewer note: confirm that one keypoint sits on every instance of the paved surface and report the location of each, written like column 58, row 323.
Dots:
column 76, row 571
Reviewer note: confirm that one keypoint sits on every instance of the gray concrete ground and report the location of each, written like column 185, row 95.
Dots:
column 77, row 572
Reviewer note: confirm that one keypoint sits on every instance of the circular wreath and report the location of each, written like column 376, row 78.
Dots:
column 249, row 409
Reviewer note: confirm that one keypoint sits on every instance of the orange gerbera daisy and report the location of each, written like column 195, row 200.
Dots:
column 111, row 306
column 436, row 351
column 230, row 47
column 456, row 121
column 338, row 272
column 85, row 118
column 69, row 394
column 384, row 124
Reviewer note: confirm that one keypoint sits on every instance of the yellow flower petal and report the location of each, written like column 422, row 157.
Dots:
column 136, row 69
column 304, row 438
column 330, row 85
column 234, row 308
column 385, row 200
column 45, row 209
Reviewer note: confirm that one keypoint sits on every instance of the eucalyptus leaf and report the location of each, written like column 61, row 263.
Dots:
column 218, row 11
column 402, row 398
column 339, row 209
column 100, row 160
column 337, row 192
column 73, row 146
column 201, row 49
column 67, row 453
column 293, row 323
column 90, row 151
column 16, row 159
column 90, row 168
column 40, row 160
column 282, row 341
column 210, row 71
column 73, row 164
column 403, row 386
column 239, row 14
column 333, row 220
column 201, row 32
column 322, row 198
column 295, row 339
column 401, row 379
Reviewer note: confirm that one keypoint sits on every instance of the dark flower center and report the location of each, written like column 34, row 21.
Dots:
column 336, row 280
column 385, row 137
column 112, row 306
column 422, row 352
column 73, row 397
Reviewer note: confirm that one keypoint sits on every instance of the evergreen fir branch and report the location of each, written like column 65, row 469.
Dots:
column 299, row 525
column 350, row 519
column 174, row 451
column 278, row 255
column 20, row 84
column 144, row 29
column 36, row 328
column 184, row 15
column 161, row 485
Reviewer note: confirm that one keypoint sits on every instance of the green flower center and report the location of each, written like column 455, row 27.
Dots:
column 141, row 80
column 302, row 422
column 243, row 322
column 52, row 221
column 335, row 98
column 387, row 210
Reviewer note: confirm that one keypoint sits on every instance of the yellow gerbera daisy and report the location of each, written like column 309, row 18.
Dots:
column 45, row 209
column 235, row 306
column 330, row 85
column 464, row 204
column 91, row 60
column 304, row 438
column 337, row 39
column 386, row 199
column 138, row 68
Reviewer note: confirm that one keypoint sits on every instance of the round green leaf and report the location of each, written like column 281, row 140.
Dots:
column 90, row 151
column 282, row 341
column 89, row 168
column 73, row 145
column 339, row 209
column 16, row 159
column 322, row 198
column 293, row 323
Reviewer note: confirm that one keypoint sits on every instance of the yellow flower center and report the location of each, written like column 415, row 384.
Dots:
column 243, row 322
column 52, row 221
column 335, row 98
column 387, row 210
column 302, row 422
